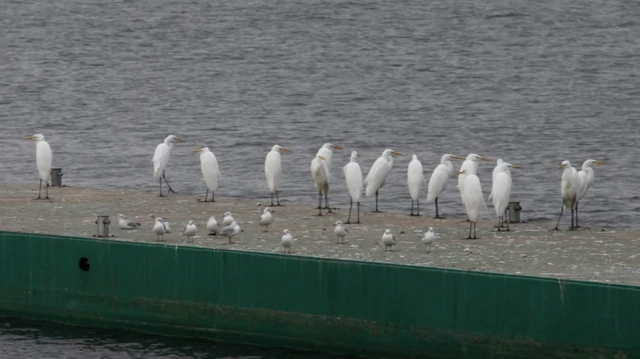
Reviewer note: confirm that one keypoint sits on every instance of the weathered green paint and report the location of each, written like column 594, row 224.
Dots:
column 340, row 306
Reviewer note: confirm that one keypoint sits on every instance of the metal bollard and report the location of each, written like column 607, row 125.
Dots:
column 56, row 177
column 103, row 223
column 514, row 212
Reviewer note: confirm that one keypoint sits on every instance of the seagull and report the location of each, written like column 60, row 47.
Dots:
column 340, row 232
column 212, row 226
column 125, row 223
column 190, row 230
column 287, row 241
column 429, row 238
column 388, row 239
column 228, row 219
column 159, row 228
column 230, row 230
column 266, row 218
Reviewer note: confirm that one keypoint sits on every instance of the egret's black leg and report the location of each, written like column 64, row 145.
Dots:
column 577, row 226
column 350, row 206
column 559, row 217
column 168, row 185
column 418, row 207
column 271, row 199
column 411, row 214
column 326, row 203
column 46, row 190
column 572, row 220
column 470, row 225
column 358, row 212
column 40, row 190
column 319, row 203
column 160, row 182
column 507, row 225
column 277, row 200
column 376, row 202
column 437, row 214
column 474, row 230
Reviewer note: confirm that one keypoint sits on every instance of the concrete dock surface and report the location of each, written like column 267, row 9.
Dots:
column 591, row 254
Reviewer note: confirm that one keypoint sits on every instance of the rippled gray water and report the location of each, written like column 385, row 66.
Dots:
column 533, row 82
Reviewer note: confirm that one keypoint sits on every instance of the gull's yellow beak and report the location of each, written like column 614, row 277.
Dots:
column 457, row 158
column 179, row 139
column 282, row 149
column 30, row 138
column 336, row 147
column 599, row 163
column 560, row 167
column 322, row 158
column 197, row 151
column 394, row 153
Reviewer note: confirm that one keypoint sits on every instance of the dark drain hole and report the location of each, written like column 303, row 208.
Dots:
column 84, row 264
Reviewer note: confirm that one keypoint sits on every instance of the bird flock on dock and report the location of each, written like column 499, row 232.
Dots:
column 574, row 186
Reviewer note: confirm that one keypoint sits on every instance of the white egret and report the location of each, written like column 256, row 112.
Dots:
column 569, row 189
column 340, row 231
column 161, row 160
column 501, row 191
column 378, row 173
column 587, row 179
column 212, row 226
column 124, row 223
column 429, row 237
column 471, row 191
column 44, row 159
column 326, row 151
column 320, row 175
column 227, row 219
column 286, row 241
column 469, row 166
column 210, row 171
column 388, row 239
column 415, row 182
column 273, row 170
column 159, row 229
column 266, row 218
column 353, row 177
column 439, row 178
column 230, row 230
column 496, row 170
column 190, row 230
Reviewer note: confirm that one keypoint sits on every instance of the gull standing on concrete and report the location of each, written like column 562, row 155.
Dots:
column 439, row 178
column 266, row 218
column 471, row 191
column 227, row 219
column 230, row 230
column 587, row 179
column 428, row 238
column 287, row 241
column 569, row 186
column 340, row 231
column 353, row 177
column 378, row 173
column 44, row 159
column 124, row 223
column 210, row 171
column 161, row 160
column 501, row 191
column 212, row 226
column 190, row 230
column 388, row 239
column 273, row 171
column 415, row 182
column 320, row 174
column 159, row 229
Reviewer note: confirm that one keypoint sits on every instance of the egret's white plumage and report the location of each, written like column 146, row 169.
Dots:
column 501, row 191
column 340, row 231
column 273, row 170
column 161, row 159
column 320, row 174
column 388, row 239
column 469, row 166
column 210, row 171
column 159, row 229
column 230, row 230
column 353, row 177
column 190, row 230
column 439, row 178
column 227, row 219
column 587, row 178
column 377, row 176
column 124, row 223
column 212, row 226
column 429, row 237
column 569, row 186
column 286, row 241
column 415, row 182
column 44, row 160
column 471, row 191
column 266, row 218
column 496, row 169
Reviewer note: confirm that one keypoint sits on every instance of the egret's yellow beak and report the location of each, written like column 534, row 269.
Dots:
column 461, row 172
column 336, row 147
column 394, row 153
column 30, row 138
column 179, row 139
column 485, row 159
column 197, row 151
column 560, row 167
column 322, row 158
column 515, row 166
column 457, row 158
column 282, row 149
column 599, row 163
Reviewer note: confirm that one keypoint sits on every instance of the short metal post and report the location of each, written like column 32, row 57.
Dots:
column 56, row 177
column 514, row 212
column 103, row 226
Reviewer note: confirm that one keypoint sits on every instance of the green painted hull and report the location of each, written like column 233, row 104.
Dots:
column 350, row 307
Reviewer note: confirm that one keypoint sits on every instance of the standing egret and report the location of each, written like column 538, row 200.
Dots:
column 340, row 231
column 587, row 179
column 161, row 159
column 273, row 170
column 469, row 166
column 210, row 171
column 353, row 177
column 415, row 182
column 320, row 174
column 471, row 191
column 44, row 159
column 378, row 173
column 190, row 230
column 439, row 178
column 388, row 239
column 569, row 190
column 496, row 170
column 501, row 191
column 266, row 218
column 325, row 152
